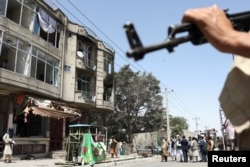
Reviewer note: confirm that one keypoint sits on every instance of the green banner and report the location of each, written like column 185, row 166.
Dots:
column 87, row 153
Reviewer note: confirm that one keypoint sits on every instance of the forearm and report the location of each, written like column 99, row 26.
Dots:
column 239, row 44
column 229, row 41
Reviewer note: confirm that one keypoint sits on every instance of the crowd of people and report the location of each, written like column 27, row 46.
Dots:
column 193, row 149
column 220, row 33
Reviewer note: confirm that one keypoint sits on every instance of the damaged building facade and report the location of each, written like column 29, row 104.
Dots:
column 53, row 73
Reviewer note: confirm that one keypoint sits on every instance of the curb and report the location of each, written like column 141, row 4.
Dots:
column 121, row 161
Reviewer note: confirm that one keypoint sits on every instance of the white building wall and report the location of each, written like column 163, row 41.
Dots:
column 99, row 78
column 69, row 81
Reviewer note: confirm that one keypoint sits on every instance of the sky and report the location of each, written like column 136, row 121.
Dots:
column 191, row 78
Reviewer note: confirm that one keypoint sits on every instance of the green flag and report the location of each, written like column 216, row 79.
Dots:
column 87, row 149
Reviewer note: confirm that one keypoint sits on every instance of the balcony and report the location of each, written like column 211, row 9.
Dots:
column 16, row 82
column 85, row 97
column 85, row 64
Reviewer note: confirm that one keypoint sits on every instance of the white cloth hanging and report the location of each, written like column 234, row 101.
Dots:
column 47, row 23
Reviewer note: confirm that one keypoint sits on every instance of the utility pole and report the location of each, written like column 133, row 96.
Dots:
column 196, row 125
column 167, row 114
column 206, row 129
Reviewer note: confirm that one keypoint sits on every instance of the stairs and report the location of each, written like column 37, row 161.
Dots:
column 60, row 154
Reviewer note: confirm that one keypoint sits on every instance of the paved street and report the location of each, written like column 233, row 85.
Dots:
column 122, row 162
column 158, row 163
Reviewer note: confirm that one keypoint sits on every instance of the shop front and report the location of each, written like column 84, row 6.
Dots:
column 39, row 125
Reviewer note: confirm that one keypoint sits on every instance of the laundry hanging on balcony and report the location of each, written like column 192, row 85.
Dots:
column 47, row 23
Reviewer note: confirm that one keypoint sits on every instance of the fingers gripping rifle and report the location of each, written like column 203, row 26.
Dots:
column 240, row 22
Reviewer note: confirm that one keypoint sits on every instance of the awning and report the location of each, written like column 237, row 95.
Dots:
column 51, row 109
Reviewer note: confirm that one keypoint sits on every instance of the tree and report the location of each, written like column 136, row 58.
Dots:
column 177, row 124
column 136, row 95
column 153, row 120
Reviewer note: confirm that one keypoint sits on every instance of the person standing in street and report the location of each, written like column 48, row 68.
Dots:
column 8, row 145
column 203, row 149
column 210, row 144
column 164, row 149
column 189, row 152
column 184, row 148
column 113, row 148
column 173, row 148
column 230, row 135
column 195, row 149
column 179, row 153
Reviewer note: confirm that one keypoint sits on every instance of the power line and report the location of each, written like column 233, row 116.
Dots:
column 98, row 30
column 106, row 36
column 52, row 3
column 182, row 104
column 196, row 125
column 88, row 19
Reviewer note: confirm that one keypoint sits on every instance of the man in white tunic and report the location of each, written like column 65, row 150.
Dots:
column 8, row 145
column 230, row 134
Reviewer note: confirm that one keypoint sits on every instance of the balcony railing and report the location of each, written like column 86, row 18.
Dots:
column 88, row 96
column 90, row 64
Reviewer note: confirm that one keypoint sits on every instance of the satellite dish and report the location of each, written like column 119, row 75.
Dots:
column 80, row 54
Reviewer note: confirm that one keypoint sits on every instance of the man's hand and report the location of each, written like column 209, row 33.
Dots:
column 214, row 25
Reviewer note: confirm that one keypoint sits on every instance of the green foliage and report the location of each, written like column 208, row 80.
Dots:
column 138, row 106
column 154, row 120
column 137, row 103
column 177, row 124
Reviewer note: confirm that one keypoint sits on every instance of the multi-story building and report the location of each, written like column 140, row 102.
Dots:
column 53, row 73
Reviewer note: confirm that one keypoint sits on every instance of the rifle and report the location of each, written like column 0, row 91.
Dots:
column 240, row 22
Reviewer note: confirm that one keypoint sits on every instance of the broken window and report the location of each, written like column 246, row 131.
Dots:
column 107, row 93
column 8, row 52
column 85, row 54
column 2, row 7
column 47, row 23
column 27, row 14
column 23, row 58
column 14, row 11
column 83, row 83
column 46, row 68
column 33, row 63
column 1, row 39
column 48, row 27
column 108, row 64
column 84, row 86
column 20, row 57
column 22, row 12
column 56, row 72
column 40, row 70
column 49, row 71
